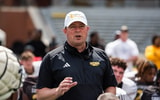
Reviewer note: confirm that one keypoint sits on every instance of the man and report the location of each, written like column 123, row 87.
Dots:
column 30, row 71
column 37, row 45
column 94, row 40
column 29, row 66
column 125, row 49
column 152, row 52
column 119, row 66
column 75, row 71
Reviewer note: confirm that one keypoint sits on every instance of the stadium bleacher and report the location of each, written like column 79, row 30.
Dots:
column 142, row 23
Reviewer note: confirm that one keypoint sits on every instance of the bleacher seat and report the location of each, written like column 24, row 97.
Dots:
column 142, row 23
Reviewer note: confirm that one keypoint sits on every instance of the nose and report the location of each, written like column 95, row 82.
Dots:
column 77, row 28
column 117, row 74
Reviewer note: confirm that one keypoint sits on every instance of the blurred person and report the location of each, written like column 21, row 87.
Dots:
column 129, row 86
column 107, row 96
column 117, row 34
column 38, row 46
column 29, row 66
column 10, row 75
column 120, row 95
column 75, row 69
column 17, row 47
column 53, row 44
column 152, row 92
column 147, row 71
column 152, row 52
column 108, row 47
column 30, row 70
column 126, row 49
column 94, row 40
column 30, row 48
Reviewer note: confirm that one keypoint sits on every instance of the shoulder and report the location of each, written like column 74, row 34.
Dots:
column 128, row 82
column 117, row 43
column 57, row 50
column 37, row 63
column 98, row 49
column 150, row 92
column 131, row 42
column 109, row 44
column 122, row 94
column 54, row 52
column 149, row 47
column 52, row 55
column 120, row 91
column 100, row 52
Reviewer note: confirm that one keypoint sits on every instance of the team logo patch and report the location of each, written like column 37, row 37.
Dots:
column 94, row 63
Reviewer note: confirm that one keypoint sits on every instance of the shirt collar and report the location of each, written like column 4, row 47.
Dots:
column 86, row 53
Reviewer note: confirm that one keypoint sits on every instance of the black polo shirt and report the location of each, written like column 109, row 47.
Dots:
column 91, row 69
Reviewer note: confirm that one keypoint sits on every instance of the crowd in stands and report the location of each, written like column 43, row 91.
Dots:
column 137, row 78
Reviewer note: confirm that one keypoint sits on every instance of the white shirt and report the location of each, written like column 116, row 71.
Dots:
column 123, row 50
column 121, row 94
column 130, row 87
column 108, row 48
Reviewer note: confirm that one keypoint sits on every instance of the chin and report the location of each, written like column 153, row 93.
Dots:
column 78, row 44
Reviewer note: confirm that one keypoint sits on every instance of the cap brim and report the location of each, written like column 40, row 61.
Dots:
column 76, row 20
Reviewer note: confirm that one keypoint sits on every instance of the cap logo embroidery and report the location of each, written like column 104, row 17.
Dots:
column 75, row 15
column 94, row 64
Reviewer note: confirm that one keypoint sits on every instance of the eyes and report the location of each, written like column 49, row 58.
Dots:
column 74, row 27
column 119, row 72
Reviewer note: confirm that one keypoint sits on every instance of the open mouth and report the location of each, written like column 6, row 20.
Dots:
column 78, row 36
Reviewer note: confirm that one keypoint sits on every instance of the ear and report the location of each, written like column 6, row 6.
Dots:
column 88, row 28
column 64, row 30
column 21, row 62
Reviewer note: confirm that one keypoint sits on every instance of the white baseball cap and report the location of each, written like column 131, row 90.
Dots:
column 74, row 16
column 124, row 28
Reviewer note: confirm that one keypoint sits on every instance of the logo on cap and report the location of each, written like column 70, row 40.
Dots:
column 74, row 16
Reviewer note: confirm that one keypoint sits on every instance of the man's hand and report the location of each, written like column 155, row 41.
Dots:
column 65, row 85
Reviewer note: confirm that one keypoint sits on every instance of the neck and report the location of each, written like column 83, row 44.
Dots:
column 79, row 47
column 124, row 40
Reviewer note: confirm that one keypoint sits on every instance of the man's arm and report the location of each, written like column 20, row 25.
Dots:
column 54, row 93
column 47, row 94
column 111, row 90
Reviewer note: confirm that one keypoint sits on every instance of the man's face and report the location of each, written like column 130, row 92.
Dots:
column 118, row 72
column 124, row 35
column 27, row 63
column 76, row 33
